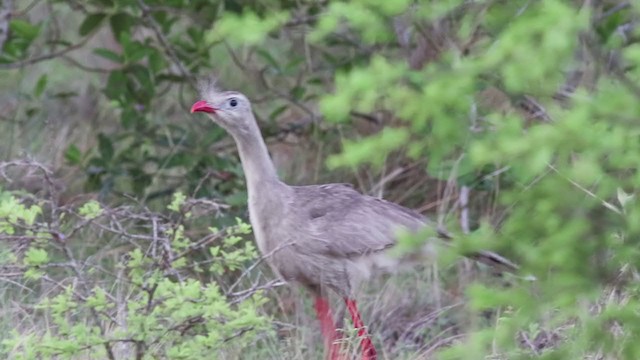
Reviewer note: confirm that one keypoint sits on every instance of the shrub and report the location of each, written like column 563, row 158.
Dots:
column 84, row 280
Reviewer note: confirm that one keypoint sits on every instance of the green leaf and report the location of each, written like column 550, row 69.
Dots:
column 133, row 51
column 24, row 29
column 214, row 250
column 105, row 146
column 33, row 274
column 35, row 256
column 264, row 54
column 298, row 92
column 90, row 210
column 360, row 152
column 177, row 202
column 279, row 110
column 250, row 28
column 40, row 86
column 108, row 54
column 144, row 80
column 90, row 23
column 130, row 117
column 64, row 94
column 156, row 61
column 121, row 23
column 73, row 155
column 115, row 85
column 236, row 199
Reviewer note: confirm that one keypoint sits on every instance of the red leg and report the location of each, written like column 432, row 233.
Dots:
column 329, row 331
column 368, row 350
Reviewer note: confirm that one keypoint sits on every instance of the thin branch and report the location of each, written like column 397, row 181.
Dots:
column 621, row 6
column 234, row 57
column 26, row 163
column 463, row 198
column 37, row 59
column 6, row 8
column 258, row 262
column 378, row 189
column 164, row 42
column 303, row 20
column 199, row 245
column 238, row 334
column 27, row 8
column 77, row 64
column 241, row 296
column 370, row 118
column 604, row 203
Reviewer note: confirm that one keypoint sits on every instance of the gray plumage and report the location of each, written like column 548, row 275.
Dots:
column 323, row 236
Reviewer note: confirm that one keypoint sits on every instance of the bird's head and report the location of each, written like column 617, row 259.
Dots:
column 229, row 109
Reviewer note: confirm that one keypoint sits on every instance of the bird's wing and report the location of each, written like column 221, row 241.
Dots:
column 338, row 221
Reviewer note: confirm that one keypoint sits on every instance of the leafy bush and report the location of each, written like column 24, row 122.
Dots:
column 515, row 121
column 124, row 282
column 566, row 205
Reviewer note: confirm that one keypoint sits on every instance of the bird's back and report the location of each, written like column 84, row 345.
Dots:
column 337, row 235
column 339, row 221
column 331, row 235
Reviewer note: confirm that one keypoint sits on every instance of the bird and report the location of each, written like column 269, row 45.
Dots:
column 327, row 237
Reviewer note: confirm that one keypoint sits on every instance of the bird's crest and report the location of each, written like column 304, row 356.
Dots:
column 208, row 88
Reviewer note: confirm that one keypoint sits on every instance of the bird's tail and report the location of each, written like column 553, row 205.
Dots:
column 486, row 257
column 493, row 259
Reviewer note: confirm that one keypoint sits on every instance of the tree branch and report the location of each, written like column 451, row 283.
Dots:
column 37, row 59
column 164, row 42
column 6, row 8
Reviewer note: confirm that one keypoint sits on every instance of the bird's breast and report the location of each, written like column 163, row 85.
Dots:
column 267, row 222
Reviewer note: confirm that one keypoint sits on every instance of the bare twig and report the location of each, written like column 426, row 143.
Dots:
column 604, row 203
column 238, row 334
column 529, row 343
column 37, row 59
column 621, row 6
column 79, row 65
column 241, row 296
column 463, row 199
column 27, row 8
column 258, row 262
column 199, row 245
column 303, row 20
column 370, row 118
column 378, row 188
column 164, row 42
column 26, row 163
column 6, row 8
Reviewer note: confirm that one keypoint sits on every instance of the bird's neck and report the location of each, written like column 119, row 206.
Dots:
column 256, row 163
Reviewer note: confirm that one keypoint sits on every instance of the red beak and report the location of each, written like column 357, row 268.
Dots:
column 202, row 106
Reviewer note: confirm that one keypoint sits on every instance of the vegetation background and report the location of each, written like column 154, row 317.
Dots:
column 515, row 124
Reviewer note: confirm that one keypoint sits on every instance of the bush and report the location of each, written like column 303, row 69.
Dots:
column 515, row 123
column 90, row 281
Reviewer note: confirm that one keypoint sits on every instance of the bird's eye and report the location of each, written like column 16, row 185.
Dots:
column 233, row 102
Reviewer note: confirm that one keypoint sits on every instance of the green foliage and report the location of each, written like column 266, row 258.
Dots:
column 561, row 217
column 14, row 213
column 531, row 106
column 177, row 202
column 148, row 147
column 90, row 210
column 164, row 301
column 248, row 28
column 380, row 144
column 35, row 257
